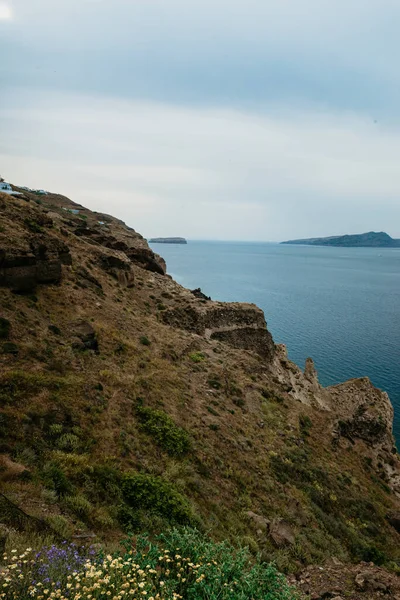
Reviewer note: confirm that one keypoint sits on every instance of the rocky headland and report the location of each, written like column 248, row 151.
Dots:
column 371, row 239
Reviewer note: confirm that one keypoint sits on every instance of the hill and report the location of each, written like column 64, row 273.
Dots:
column 365, row 240
column 129, row 403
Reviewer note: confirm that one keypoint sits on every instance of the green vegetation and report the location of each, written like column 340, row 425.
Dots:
column 154, row 494
column 18, row 385
column 33, row 226
column 144, row 340
column 175, row 440
column 178, row 564
column 197, row 357
column 305, row 425
column 338, row 504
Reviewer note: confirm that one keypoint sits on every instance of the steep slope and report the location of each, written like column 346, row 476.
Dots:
column 129, row 403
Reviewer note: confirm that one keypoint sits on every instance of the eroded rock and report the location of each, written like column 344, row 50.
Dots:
column 39, row 261
column 281, row 533
column 239, row 325
column 119, row 269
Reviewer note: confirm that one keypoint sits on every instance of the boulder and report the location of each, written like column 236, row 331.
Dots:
column 367, row 581
column 86, row 337
column 261, row 523
column 281, row 533
column 199, row 294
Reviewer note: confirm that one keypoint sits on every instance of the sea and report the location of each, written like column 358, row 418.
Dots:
column 341, row 306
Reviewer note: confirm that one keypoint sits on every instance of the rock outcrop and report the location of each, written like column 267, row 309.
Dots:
column 37, row 261
column 239, row 325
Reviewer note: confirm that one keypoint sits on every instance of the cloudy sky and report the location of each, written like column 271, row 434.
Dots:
column 210, row 119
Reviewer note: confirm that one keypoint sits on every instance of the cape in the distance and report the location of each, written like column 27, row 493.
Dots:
column 371, row 239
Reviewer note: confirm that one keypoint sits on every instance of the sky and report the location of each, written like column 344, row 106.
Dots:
column 208, row 119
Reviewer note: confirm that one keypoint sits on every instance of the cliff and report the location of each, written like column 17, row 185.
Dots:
column 362, row 240
column 112, row 373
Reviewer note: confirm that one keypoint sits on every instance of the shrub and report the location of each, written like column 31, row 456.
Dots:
column 68, row 442
column 149, row 492
column 33, row 226
column 80, row 506
column 60, row 525
column 172, row 438
column 271, row 395
column 305, row 425
column 55, row 478
column 144, row 340
column 197, row 357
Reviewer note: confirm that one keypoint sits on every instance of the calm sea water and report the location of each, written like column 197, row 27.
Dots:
column 341, row 306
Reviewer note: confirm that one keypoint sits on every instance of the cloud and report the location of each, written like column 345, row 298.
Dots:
column 5, row 12
column 256, row 119
column 207, row 173
column 243, row 54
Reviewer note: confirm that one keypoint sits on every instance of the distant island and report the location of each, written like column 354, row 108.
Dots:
column 372, row 239
column 168, row 240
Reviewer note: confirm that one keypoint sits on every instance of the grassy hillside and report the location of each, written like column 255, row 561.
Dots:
column 112, row 421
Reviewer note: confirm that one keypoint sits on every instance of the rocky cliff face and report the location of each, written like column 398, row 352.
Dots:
column 356, row 410
column 239, row 325
column 109, row 368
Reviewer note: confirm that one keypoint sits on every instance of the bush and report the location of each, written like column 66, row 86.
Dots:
column 271, row 395
column 55, row 479
column 175, row 440
column 144, row 340
column 80, row 506
column 305, row 425
column 197, row 357
column 194, row 567
column 68, row 442
column 153, row 493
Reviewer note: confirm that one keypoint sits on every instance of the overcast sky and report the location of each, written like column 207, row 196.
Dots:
column 210, row 119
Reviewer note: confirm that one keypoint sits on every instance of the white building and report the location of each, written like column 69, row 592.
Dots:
column 5, row 188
